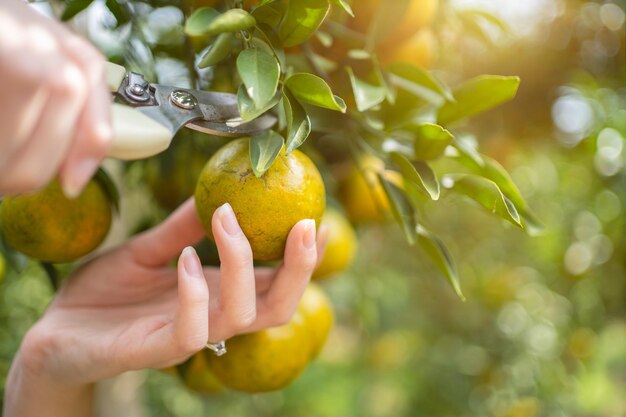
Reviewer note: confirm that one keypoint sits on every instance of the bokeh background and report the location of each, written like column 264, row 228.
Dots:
column 543, row 330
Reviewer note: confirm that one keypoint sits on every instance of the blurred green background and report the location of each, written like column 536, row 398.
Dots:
column 543, row 330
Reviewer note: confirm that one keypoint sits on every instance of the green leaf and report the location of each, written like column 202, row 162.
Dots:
column 312, row 89
column 486, row 193
column 431, row 140
column 270, row 14
column 419, row 173
column 119, row 10
column 478, row 95
column 199, row 20
column 247, row 109
column 492, row 170
column 400, row 207
column 418, row 81
column 264, row 148
column 208, row 21
column 345, row 6
column 439, row 253
column 302, row 20
column 110, row 188
column 298, row 122
column 218, row 50
column 74, row 7
column 260, row 73
column 366, row 95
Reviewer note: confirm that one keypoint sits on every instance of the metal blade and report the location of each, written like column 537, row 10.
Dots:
column 234, row 127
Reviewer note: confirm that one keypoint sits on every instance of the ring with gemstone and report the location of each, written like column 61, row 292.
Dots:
column 219, row 348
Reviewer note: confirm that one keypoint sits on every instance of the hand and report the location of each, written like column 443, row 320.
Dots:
column 127, row 310
column 54, row 106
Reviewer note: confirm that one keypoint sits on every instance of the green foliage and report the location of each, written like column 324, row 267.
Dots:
column 264, row 148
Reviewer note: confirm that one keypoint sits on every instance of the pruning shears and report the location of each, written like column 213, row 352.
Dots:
column 146, row 116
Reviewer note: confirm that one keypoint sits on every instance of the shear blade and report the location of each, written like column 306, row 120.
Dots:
column 234, row 127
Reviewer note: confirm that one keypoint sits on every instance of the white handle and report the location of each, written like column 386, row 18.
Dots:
column 135, row 135
column 114, row 75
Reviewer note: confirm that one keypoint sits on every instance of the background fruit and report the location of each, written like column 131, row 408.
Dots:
column 199, row 377
column 267, row 360
column 420, row 49
column 267, row 207
column 341, row 245
column 50, row 227
column 419, row 14
column 318, row 314
column 361, row 193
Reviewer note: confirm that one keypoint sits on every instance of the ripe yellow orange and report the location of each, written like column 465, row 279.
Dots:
column 267, row 360
column 341, row 245
column 420, row 49
column 361, row 193
column 50, row 227
column 318, row 314
column 267, row 207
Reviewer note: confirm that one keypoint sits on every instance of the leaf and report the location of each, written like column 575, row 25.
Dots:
column 119, row 10
column 313, row 90
column 366, row 95
column 74, row 7
column 486, row 193
column 345, row 6
column 199, row 20
column 110, row 189
column 400, row 207
column 270, row 14
column 477, row 95
column 419, row 173
column 440, row 255
column 492, row 170
column 260, row 73
column 420, row 82
column 298, row 123
column 302, row 20
column 247, row 110
column 468, row 150
column 218, row 50
column 431, row 140
column 264, row 148
column 208, row 21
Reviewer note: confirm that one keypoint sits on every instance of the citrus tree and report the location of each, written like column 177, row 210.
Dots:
column 351, row 88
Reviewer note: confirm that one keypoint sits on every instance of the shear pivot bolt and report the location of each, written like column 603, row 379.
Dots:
column 183, row 99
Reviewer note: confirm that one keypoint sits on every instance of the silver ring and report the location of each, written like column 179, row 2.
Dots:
column 219, row 348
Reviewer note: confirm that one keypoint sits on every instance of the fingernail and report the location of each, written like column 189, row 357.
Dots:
column 228, row 220
column 77, row 176
column 191, row 263
column 308, row 238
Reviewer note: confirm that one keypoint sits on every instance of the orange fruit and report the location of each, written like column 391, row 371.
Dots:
column 267, row 207
column 50, row 227
column 267, row 360
column 317, row 311
column 341, row 245
column 420, row 49
column 199, row 377
column 361, row 193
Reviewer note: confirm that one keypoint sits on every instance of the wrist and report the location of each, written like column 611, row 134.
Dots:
column 32, row 389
